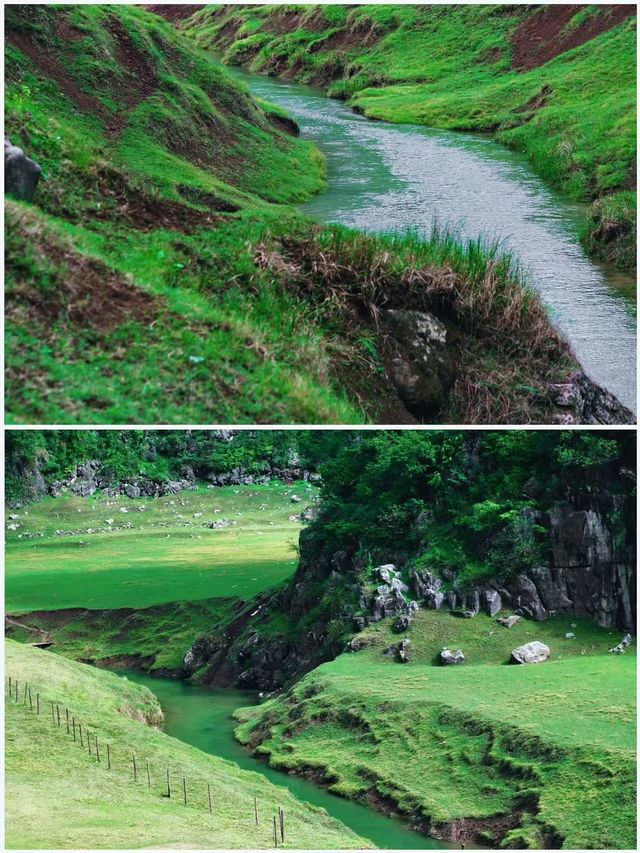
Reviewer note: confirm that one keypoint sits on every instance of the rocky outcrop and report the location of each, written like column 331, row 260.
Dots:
column 240, row 477
column 422, row 369
column 588, row 575
column 534, row 652
column 580, row 401
column 86, row 480
column 21, row 174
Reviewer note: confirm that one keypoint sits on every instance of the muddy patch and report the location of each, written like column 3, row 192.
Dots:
column 545, row 35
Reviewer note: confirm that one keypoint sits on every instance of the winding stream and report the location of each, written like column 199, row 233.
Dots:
column 201, row 716
column 391, row 178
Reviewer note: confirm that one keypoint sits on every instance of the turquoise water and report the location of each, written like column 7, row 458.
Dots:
column 201, row 716
column 392, row 178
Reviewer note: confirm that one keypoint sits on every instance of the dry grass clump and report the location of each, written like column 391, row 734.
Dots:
column 508, row 350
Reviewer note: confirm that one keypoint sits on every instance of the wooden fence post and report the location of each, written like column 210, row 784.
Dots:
column 24, row 698
column 58, row 713
column 66, row 711
column 30, row 701
column 53, row 713
column 88, row 741
column 73, row 726
column 16, row 689
column 148, row 776
column 184, row 789
column 168, row 785
column 80, row 728
column 97, row 749
column 281, row 824
column 108, row 757
column 37, row 703
column 135, row 769
column 255, row 809
column 275, row 832
column 209, row 796
column 9, row 687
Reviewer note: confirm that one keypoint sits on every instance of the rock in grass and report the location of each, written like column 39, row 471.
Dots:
column 534, row 652
column 450, row 658
column 622, row 645
column 402, row 623
column 509, row 621
column 21, row 174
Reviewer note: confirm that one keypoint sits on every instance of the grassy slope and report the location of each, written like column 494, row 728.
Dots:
column 58, row 796
column 136, row 295
column 451, row 67
column 147, row 593
column 167, row 555
column 556, row 740
column 145, row 160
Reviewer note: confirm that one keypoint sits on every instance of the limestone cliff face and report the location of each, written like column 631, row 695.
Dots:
column 591, row 574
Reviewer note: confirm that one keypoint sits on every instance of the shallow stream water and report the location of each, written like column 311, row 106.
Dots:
column 202, row 717
column 393, row 178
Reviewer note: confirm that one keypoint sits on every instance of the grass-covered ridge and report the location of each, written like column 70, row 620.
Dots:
column 518, row 756
column 556, row 84
column 103, row 808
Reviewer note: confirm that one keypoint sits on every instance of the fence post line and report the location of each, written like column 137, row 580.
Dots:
column 53, row 713
column 66, row 711
column 135, row 769
column 30, row 701
column 58, row 714
column 108, row 758
column 275, row 832
column 209, row 796
column 24, row 698
column 73, row 726
column 168, row 784
column 281, row 824
column 184, row 789
column 89, row 741
column 80, row 728
column 255, row 809
column 37, row 703
column 148, row 776
column 97, row 749
column 16, row 689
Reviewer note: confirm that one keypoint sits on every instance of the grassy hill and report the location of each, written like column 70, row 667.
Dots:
column 146, row 586
column 557, row 83
column 163, row 275
column 155, row 551
column 518, row 756
column 59, row 796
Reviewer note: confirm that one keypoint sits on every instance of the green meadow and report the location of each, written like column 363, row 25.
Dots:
column 59, row 796
column 155, row 551
column 556, row 741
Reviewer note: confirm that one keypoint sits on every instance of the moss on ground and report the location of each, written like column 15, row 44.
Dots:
column 59, row 796
column 570, row 109
column 529, row 756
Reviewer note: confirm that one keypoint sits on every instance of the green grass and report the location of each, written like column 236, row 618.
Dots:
column 58, row 796
column 557, row 739
column 451, row 67
column 162, row 558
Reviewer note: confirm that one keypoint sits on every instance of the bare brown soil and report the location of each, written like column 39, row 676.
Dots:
column 174, row 12
column 545, row 35
column 81, row 290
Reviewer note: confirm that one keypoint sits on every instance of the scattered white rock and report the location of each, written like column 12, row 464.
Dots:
column 569, row 635
column 533, row 652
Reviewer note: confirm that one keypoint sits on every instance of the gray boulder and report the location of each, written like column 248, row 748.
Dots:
column 451, row 658
column 402, row 623
column 509, row 621
column 491, row 601
column 622, row 645
column 533, row 652
column 21, row 174
column 421, row 371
